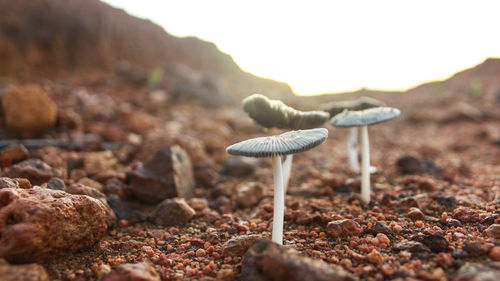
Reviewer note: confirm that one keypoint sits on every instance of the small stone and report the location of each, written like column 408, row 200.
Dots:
column 409, row 165
column 475, row 248
column 453, row 222
column 477, row 272
column 495, row 253
column 56, row 184
column 91, row 183
column 266, row 260
column 447, row 201
column 225, row 274
column 198, row 204
column 13, row 154
column 375, row 257
column 411, row 246
column 96, row 162
column 493, row 231
column 381, row 228
column 444, row 260
column 437, row 243
column 200, row 253
column 130, row 211
column 35, row 170
column 343, row 228
column 415, row 213
column 172, row 212
column 167, row 174
column 465, row 214
column 248, row 194
column 24, row 272
column 133, row 272
column 8, row 183
column 40, row 223
column 238, row 166
column 237, row 246
column 28, row 109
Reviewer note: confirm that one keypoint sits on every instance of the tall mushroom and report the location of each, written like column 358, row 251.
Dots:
column 274, row 113
column 336, row 107
column 275, row 146
column 363, row 118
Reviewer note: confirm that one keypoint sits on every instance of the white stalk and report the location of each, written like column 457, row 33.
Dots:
column 352, row 143
column 279, row 201
column 365, row 166
column 287, row 169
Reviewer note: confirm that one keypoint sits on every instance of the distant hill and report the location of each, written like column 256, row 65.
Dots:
column 58, row 39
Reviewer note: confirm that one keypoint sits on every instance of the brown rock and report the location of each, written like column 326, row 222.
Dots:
column 96, row 162
column 25, row 272
column 477, row 272
column 375, row 257
column 167, row 174
column 248, row 194
column 23, row 183
column 237, row 246
column 343, row 228
column 91, row 183
column 28, row 109
column 238, row 166
column 80, row 189
column 172, row 212
column 133, row 272
column 495, row 253
column 40, row 223
column 493, row 231
column 8, row 183
column 266, row 260
column 35, row 170
column 198, row 203
column 415, row 213
column 13, row 154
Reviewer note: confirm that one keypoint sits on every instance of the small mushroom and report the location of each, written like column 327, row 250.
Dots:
column 275, row 146
column 274, row 113
column 362, row 119
column 336, row 107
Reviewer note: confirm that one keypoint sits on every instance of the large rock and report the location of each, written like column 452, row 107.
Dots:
column 266, row 260
column 25, row 272
column 133, row 272
column 39, row 223
column 28, row 109
column 35, row 170
column 167, row 174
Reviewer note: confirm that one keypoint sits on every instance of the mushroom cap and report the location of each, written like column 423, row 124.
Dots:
column 361, row 103
column 287, row 143
column 274, row 113
column 364, row 117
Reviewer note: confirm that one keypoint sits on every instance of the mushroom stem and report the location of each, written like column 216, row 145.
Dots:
column 352, row 143
column 365, row 166
column 287, row 168
column 279, row 201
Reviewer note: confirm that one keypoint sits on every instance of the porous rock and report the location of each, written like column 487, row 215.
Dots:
column 167, row 174
column 28, row 109
column 133, row 272
column 35, row 170
column 39, row 223
column 266, row 260
column 24, row 272
column 172, row 212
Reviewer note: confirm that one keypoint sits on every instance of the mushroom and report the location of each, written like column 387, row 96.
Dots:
column 363, row 118
column 274, row 113
column 336, row 107
column 275, row 146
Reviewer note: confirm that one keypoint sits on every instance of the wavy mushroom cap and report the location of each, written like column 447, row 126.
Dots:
column 283, row 144
column 364, row 117
column 274, row 113
column 362, row 103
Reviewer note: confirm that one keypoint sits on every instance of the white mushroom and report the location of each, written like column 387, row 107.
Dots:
column 275, row 146
column 363, row 118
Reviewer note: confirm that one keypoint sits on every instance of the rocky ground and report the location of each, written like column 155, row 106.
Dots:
column 100, row 184
column 113, row 165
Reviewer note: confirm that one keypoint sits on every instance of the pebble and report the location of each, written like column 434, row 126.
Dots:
column 493, row 231
column 35, row 170
column 13, row 154
column 444, row 260
column 343, row 228
column 495, row 253
column 380, row 227
column 172, row 212
column 411, row 246
column 133, row 272
column 375, row 257
column 475, row 248
column 415, row 213
column 248, row 194
column 237, row 246
column 465, row 215
column 198, row 203
column 56, row 184
column 238, row 166
column 435, row 242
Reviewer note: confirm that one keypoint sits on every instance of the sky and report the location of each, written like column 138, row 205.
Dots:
column 337, row 46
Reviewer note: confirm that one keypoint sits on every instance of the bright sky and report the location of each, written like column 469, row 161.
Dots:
column 335, row 46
